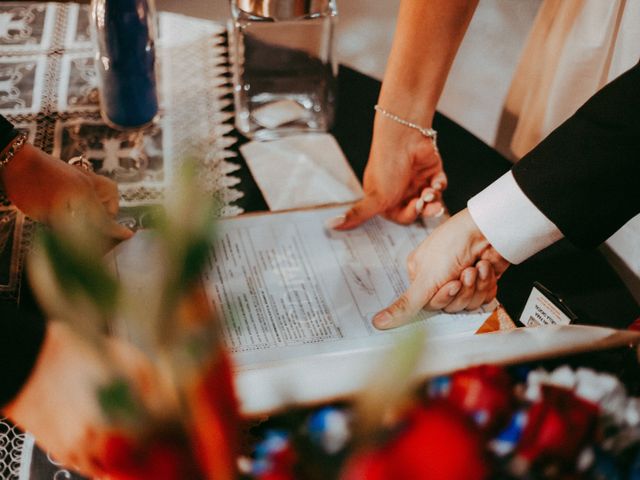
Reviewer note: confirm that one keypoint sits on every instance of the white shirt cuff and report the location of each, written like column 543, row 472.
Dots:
column 511, row 223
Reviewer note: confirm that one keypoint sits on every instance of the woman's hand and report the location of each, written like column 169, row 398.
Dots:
column 404, row 170
column 46, row 189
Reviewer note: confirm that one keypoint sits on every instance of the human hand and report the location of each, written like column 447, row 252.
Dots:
column 46, row 189
column 58, row 404
column 443, row 273
column 404, row 170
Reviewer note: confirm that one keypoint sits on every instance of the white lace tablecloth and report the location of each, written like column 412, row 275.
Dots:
column 48, row 89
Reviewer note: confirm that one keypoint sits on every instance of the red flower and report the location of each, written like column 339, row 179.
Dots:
column 438, row 443
column 164, row 457
column 635, row 325
column 559, row 426
column 485, row 393
column 369, row 465
column 216, row 419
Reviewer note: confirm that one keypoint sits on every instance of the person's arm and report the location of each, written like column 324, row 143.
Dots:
column 428, row 35
column 580, row 182
column 44, row 187
column 47, row 386
column 403, row 163
column 58, row 402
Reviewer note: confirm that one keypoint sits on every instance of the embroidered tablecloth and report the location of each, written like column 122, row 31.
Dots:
column 48, row 88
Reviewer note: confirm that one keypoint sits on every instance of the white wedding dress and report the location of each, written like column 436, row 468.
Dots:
column 575, row 48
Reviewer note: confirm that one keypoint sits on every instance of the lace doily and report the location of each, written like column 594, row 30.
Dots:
column 48, row 88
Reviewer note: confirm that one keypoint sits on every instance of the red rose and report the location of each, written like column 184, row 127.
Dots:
column 559, row 426
column 485, row 393
column 370, row 465
column 437, row 443
column 215, row 425
column 162, row 458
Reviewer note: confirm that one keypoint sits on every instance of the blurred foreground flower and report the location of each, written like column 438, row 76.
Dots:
column 182, row 423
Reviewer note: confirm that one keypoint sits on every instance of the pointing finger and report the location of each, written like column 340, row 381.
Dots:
column 405, row 308
column 356, row 215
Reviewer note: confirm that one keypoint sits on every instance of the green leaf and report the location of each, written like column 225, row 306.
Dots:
column 118, row 403
column 79, row 273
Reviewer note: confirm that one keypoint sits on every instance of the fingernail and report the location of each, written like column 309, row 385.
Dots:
column 454, row 289
column 334, row 222
column 483, row 271
column 419, row 206
column 439, row 213
column 468, row 279
column 428, row 197
column 438, row 185
column 383, row 319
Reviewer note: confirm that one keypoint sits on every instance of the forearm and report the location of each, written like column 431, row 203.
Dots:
column 22, row 177
column 428, row 34
column 584, row 175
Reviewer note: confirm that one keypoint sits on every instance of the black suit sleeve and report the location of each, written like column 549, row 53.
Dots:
column 585, row 176
column 7, row 132
column 21, row 336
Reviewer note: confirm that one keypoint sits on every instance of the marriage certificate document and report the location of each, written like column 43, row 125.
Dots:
column 288, row 287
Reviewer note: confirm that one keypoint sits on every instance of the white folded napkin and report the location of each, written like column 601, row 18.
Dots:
column 303, row 170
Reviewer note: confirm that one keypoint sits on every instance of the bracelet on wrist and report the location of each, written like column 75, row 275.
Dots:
column 81, row 162
column 16, row 144
column 425, row 131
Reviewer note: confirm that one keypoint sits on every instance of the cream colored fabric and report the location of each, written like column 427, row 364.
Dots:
column 575, row 47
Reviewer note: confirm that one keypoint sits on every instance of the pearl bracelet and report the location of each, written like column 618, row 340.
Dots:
column 426, row 131
column 16, row 144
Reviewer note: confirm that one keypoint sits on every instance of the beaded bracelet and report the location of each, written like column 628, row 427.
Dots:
column 427, row 132
column 16, row 144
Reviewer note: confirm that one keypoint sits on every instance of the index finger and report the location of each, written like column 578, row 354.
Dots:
column 362, row 211
column 404, row 309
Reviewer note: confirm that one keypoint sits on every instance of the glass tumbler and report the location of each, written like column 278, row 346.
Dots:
column 284, row 66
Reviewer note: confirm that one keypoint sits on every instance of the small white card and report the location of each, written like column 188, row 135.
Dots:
column 541, row 309
column 298, row 171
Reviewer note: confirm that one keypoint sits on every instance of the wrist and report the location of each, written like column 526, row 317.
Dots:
column 477, row 243
column 411, row 106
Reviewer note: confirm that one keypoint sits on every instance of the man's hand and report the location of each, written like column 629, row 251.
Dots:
column 453, row 268
column 44, row 188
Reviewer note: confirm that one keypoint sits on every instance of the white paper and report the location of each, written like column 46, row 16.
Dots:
column 312, row 380
column 301, row 171
column 288, row 288
column 267, row 260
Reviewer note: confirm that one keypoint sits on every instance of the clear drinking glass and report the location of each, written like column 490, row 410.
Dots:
column 284, row 66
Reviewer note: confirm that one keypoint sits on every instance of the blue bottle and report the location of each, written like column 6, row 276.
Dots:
column 125, row 34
